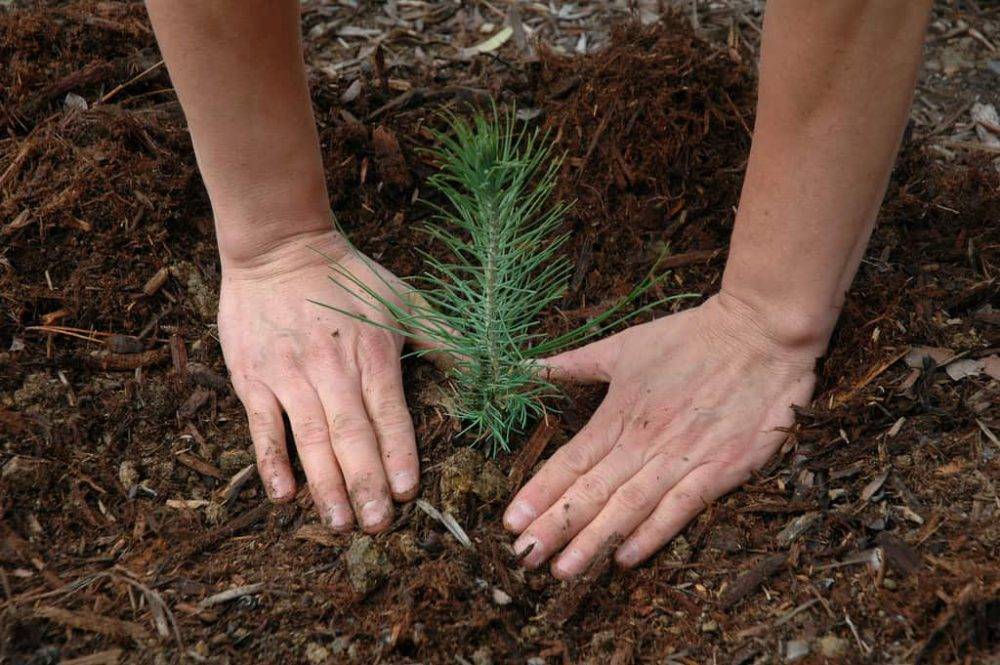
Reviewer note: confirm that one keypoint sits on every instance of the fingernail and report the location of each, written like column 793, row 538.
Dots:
column 528, row 550
column 403, row 482
column 518, row 516
column 628, row 554
column 339, row 517
column 570, row 564
column 279, row 489
column 373, row 513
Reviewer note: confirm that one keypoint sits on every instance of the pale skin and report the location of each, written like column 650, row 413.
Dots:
column 696, row 400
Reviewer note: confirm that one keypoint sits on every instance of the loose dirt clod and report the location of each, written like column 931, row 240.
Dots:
column 367, row 564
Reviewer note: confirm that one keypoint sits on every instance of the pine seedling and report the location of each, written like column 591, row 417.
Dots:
column 481, row 305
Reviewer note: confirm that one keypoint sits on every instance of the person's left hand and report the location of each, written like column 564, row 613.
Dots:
column 694, row 404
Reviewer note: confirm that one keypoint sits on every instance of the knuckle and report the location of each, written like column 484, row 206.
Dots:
column 312, row 433
column 260, row 421
column 729, row 473
column 390, row 414
column 349, row 425
column 375, row 352
column 594, row 489
column 287, row 350
column 575, row 458
column 634, row 497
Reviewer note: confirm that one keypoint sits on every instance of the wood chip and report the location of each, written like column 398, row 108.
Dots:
column 94, row 623
column 124, row 344
column 797, row 527
column 108, row 657
column 236, row 483
column 198, row 464
column 916, row 356
column 203, row 376
column 489, row 45
column 319, row 534
column 565, row 604
column 962, row 369
column 874, row 485
column 753, row 578
column 154, row 283
column 530, row 453
column 900, row 556
column 194, row 402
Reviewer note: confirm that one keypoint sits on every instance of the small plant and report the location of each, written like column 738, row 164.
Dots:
column 481, row 306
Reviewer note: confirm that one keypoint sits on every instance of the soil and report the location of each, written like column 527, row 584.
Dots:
column 133, row 528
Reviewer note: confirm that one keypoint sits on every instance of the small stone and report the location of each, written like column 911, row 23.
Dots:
column 890, row 584
column 367, row 564
column 482, row 656
column 832, row 646
column 75, row 101
column 710, row 627
column 128, row 474
column 316, row 653
column 501, row 597
column 536, row 660
column 795, row 650
column 233, row 460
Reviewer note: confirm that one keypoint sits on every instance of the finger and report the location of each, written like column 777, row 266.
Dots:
column 578, row 505
column 382, row 382
column 267, row 431
column 588, row 364
column 572, row 460
column 682, row 503
column 312, row 440
column 355, row 446
column 626, row 509
column 429, row 345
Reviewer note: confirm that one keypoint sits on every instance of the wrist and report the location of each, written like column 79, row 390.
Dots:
column 256, row 213
column 775, row 324
column 286, row 247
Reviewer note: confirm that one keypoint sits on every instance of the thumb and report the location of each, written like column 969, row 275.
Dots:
column 592, row 363
column 432, row 347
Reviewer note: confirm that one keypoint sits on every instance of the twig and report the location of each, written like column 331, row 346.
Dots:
column 854, row 631
column 118, row 88
column 448, row 521
column 230, row 594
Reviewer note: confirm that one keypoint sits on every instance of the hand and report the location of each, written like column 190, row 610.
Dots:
column 338, row 379
column 694, row 404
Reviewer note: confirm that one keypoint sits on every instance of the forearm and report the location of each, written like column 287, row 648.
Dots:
column 836, row 81
column 237, row 68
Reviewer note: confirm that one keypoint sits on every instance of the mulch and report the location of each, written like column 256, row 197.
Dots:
column 132, row 530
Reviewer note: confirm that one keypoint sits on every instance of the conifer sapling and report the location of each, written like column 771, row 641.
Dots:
column 482, row 304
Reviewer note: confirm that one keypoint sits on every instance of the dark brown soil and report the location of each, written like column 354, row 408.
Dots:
column 872, row 537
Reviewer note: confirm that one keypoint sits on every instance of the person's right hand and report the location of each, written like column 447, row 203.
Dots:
column 338, row 379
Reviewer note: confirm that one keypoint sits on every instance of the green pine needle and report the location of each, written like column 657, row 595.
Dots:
column 482, row 304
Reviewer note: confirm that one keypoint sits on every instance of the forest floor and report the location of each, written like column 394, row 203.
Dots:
column 133, row 527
